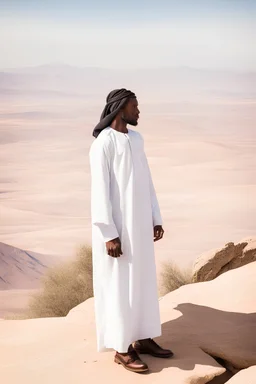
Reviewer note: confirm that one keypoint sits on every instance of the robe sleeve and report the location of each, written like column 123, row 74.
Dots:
column 157, row 218
column 101, row 207
column 156, row 214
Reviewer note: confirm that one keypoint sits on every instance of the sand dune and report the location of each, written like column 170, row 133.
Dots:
column 20, row 269
column 20, row 275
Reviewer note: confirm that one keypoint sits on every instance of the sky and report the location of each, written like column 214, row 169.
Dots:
column 215, row 34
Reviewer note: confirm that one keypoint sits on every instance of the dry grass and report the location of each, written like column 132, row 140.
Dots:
column 64, row 287
column 70, row 284
column 173, row 277
column 17, row 316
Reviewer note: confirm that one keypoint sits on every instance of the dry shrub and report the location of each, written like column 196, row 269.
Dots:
column 173, row 277
column 64, row 287
column 17, row 316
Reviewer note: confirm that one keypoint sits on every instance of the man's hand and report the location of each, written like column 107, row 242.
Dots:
column 158, row 232
column 114, row 247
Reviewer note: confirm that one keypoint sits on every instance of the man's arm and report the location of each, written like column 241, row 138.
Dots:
column 101, row 206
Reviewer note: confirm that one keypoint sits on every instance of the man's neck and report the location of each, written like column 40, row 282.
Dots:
column 119, row 125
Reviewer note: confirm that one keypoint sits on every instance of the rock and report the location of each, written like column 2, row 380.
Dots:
column 246, row 376
column 204, row 324
column 218, row 316
column 212, row 264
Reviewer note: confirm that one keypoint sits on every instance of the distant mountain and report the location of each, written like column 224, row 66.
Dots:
column 158, row 83
column 20, row 269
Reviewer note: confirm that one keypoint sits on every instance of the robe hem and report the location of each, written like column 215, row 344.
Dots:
column 143, row 336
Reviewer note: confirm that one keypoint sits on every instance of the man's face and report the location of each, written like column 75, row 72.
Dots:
column 130, row 113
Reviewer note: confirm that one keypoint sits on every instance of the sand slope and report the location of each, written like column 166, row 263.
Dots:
column 20, row 269
column 200, row 320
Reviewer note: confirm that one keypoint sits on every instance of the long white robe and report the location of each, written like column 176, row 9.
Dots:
column 124, row 205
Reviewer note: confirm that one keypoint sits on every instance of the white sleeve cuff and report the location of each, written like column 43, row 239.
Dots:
column 109, row 232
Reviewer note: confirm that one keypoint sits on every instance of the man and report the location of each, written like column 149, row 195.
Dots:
column 126, row 221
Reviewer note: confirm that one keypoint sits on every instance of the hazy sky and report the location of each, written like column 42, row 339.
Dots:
column 123, row 34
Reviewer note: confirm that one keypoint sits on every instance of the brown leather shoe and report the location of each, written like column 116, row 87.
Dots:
column 131, row 361
column 150, row 347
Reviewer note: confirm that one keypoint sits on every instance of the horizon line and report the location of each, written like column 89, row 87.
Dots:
column 63, row 64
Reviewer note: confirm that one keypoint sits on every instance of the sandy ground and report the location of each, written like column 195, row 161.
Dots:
column 198, row 322
column 13, row 301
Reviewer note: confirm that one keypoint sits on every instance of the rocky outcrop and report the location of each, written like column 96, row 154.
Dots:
column 212, row 264
column 246, row 376
column 209, row 326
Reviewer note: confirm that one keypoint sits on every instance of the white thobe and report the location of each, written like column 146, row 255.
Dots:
column 124, row 205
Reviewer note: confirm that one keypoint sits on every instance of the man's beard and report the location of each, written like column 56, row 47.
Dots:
column 133, row 122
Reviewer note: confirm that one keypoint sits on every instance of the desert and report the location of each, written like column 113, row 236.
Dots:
column 200, row 143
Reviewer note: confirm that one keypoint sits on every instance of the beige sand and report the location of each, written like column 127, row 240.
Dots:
column 14, row 301
column 216, row 317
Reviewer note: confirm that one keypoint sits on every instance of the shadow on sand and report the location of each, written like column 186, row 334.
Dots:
column 207, row 336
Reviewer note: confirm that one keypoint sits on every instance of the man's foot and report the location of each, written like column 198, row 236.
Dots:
column 131, row 361
column 150, row 347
